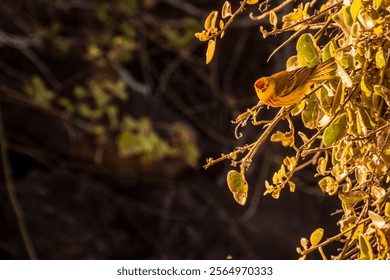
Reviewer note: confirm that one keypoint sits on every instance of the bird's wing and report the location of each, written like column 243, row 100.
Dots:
column 297, row 78
column 288, row 81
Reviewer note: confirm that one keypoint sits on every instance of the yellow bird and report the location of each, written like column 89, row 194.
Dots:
column 288, row 87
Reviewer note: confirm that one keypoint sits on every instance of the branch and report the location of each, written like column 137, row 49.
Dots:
column 9, row 182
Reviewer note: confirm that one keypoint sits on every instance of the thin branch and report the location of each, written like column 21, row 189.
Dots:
column 9, row 182
column 276, row 9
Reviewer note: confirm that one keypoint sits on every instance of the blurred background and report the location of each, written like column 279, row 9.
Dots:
column 108, row 114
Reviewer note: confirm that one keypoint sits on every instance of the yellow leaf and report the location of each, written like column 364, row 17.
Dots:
column 221, row 26
column 352, row 196
column 387, row 209
column 316, row 236
column 202, row 36
column 304, row 243
column 383, row 245
column 292, row 186
column 273, row 19
column 238, row 186
column 380, row 59
column 355, row 8
column 328, row 184
column 376, row 219
column 210, row 21
column 210, row 51
column 226, row 10
column 252, row 2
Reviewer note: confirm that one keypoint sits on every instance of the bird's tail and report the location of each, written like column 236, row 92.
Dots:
column 324, row 71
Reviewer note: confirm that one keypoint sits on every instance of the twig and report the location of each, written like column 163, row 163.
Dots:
column 128, row 78
column 9, row 182
column 276, row 9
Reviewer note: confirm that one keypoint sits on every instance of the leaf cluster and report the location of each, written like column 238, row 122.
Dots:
column 347, row 116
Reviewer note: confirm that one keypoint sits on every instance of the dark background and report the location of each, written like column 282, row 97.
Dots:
column 123, row 207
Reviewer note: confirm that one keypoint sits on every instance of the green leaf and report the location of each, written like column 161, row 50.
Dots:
column 307, row 50
column 310, row 114
column 238, row 186
column 382, row 91
column 336, row 130
column 347, row 15
column 329, row 50
column 365, row 248
column 128, row 144
column 316, row 236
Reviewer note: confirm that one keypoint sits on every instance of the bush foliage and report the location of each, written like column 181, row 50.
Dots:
column 347, row 118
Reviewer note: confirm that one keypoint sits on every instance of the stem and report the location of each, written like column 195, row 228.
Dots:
column 9, row 182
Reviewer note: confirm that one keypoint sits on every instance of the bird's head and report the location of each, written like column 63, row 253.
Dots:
column 261, row 87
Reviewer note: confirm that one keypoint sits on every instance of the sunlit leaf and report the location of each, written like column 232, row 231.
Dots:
column 347, row 81
column 376, row 219
column 202, row 36
column 292, row 63
column 316, row 236
column 307, row 50
column 211, row 20
column 210, row 50
column 329, row 185
column 365, row 249
column 387, row 209
column 382, row 244
column 383, row 92
column 338, row 98
column 287, row 138
column 310, row 114
column 366, row 20
column 355, row 8
column 336, row 130
column 380, row 60
column 252, row 2
column 342, row 24
column 295, row 16
column 329, row 50
column 352, row 196
column 292, row 186
column 368, row 121
column 347, row 15
column 289, row 162
column 221, row 26
column 226, row 10
column 304, row 243
column 321, row 165
column 238, row 186
column 377, row 4
column 273, row 19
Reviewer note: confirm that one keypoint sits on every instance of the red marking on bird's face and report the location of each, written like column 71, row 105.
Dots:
column 260, row 84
